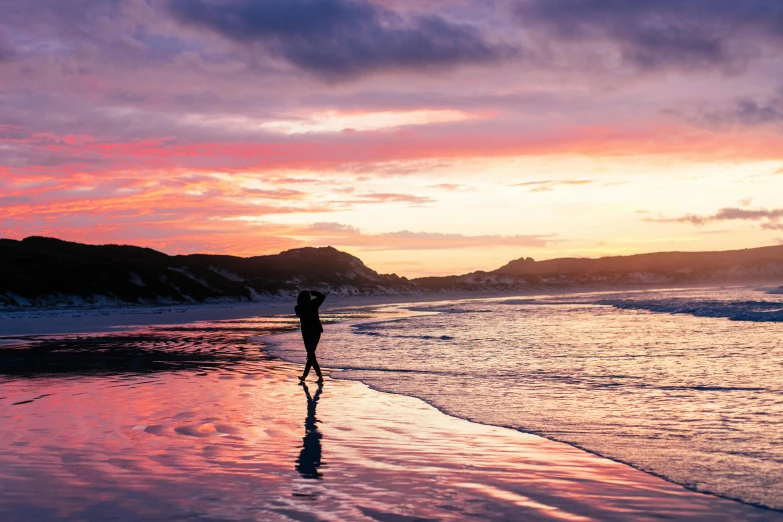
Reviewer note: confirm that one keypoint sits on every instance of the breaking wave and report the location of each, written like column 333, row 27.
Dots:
column 759, row 311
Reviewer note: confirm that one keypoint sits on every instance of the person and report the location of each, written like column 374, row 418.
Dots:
column 307, row 310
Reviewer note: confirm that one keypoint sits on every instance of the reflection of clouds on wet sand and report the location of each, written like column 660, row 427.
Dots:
column 225, row 442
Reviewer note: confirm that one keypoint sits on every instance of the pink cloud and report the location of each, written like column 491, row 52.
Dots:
column 348, row 236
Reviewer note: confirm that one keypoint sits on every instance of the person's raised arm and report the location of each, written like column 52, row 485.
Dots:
column 319, row 298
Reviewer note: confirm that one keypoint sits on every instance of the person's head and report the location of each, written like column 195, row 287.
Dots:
column 303, row 297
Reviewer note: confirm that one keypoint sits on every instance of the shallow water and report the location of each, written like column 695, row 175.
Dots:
column 661, row 380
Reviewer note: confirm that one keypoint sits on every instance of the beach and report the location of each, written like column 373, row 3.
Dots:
column 535, row 245
column 199, row 422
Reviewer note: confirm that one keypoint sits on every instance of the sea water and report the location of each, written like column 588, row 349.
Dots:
column 684, row 384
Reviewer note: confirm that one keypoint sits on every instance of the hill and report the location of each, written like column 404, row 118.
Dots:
column 45, row 272
column 686, row 263
column 763, row 264
column 39, row 271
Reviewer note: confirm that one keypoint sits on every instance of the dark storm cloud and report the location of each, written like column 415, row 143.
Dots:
column 663, row 33
column 337, row 38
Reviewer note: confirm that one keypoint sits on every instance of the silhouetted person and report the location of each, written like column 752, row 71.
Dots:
column 307, row 311
column 310, row 457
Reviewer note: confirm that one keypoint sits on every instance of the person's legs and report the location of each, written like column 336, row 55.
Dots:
column 316, row 367
column 306, row 339
column 311, row 346
column 307, row 368
column 311, row 343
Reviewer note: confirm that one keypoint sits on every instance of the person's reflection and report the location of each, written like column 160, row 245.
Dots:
column 310, row 457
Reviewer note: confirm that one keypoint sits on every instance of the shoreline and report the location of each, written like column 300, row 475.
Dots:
column 594, row 453
column 574, row 446
column 557, row 450
column 62, row 321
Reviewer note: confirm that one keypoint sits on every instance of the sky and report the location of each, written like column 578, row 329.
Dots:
column 426, row 138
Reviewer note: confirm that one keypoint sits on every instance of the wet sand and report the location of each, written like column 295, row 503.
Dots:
column 106, row 319
column 248, row 443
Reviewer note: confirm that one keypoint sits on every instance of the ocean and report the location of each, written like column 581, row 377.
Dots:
column 684, row 384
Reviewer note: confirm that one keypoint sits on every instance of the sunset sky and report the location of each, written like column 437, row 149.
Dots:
column 426, row 138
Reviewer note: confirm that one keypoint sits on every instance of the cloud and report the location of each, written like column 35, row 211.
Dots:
column 387, row 197
column 170, row 204
column 732, row 214
column 290, row 180
column 278, row 194
column 742, row 111
column 343, row 38
column 340, row 235
column 337, row 228
column 548, row 185
column 751, row 112
column 448, row 186
column 686, row 34
column 772, row 226
column 7, row 51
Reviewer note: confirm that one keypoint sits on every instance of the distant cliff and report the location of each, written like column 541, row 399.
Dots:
column 44, row 272
column 660, row 269
column 39, row 271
